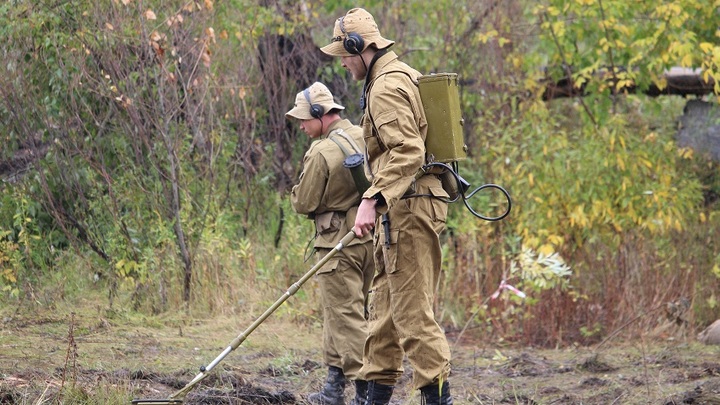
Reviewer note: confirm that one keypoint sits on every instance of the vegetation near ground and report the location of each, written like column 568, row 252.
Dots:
column 147, row 162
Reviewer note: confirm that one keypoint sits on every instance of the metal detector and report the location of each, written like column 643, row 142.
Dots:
column 178, row 397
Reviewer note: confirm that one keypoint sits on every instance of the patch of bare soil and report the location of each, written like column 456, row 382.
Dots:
column 666, row 373
column 104, row 363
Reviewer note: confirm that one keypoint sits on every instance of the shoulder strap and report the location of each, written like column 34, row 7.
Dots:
column 347, row 138
column 342, row 148
column 354, row 146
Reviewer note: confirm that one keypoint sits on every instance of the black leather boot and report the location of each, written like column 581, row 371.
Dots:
column 435, row 395
column 333, row 392
column 378, row 394
column 361, row 390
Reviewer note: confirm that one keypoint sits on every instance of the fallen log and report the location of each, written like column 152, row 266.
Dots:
column 679, row 81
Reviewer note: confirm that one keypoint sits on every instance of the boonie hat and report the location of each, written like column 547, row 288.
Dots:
column 361, row 22
column 318, row 94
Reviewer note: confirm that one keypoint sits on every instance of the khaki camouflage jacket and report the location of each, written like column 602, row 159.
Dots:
column 394, row 127
column 326, row 191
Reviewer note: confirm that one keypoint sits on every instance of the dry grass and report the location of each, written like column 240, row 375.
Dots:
column 126, row 356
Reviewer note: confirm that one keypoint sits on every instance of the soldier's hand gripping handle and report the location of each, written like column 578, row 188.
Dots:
column 365, row 219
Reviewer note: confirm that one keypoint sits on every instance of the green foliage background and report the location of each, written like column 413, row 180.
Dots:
column 150, row 160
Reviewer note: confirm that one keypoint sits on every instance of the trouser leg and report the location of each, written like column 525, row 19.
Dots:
column 344, row 282
column 402, row 321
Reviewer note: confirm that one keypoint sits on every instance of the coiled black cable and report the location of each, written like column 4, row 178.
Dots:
column 463, row 186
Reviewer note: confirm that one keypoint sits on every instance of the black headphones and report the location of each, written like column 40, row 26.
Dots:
column 316, row 110
column 353, row 42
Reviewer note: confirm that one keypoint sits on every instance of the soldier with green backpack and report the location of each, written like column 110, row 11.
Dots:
column 407, row 209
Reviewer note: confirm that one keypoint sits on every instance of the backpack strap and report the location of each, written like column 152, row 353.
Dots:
column 349, row 140
column 353, row 145
column 342, row 148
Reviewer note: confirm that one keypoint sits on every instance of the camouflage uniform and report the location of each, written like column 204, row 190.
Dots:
column 401, row 303
column 326, row 192
column 407, row 247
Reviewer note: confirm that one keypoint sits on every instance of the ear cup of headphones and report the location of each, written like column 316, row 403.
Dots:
column 316, row 110
column 353, row 43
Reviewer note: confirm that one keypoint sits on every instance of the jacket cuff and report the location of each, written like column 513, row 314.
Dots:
column 381, row 205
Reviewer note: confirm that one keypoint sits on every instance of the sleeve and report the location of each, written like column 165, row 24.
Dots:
column 398, row 130
column 307, row 196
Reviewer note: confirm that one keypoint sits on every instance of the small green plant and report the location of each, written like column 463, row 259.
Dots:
column 540, row 270
column 589, row 332
column 9, row 263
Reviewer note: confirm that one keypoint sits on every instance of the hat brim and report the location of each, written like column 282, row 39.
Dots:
column 380, row 42
column 300, row 113
column 333, row 106
column 336, row 48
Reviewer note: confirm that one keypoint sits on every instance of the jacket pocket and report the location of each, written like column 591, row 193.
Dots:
column 387, row 122
column 329, row 266
column 439, row 207
column 384, row 118
column 327, row 222
column 372, row 141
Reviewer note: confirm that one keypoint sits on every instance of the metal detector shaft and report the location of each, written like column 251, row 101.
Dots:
column 241, row 338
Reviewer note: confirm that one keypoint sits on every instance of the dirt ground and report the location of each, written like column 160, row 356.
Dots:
column 45, row 356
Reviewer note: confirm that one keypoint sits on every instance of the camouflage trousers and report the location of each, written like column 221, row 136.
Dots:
column 344, row 282
column 402, row 322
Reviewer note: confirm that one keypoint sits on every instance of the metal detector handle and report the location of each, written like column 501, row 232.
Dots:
column 293, row 289
column 241, row 338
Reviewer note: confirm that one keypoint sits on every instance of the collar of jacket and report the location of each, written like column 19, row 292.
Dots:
column 381, row 63
column 342, row 123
